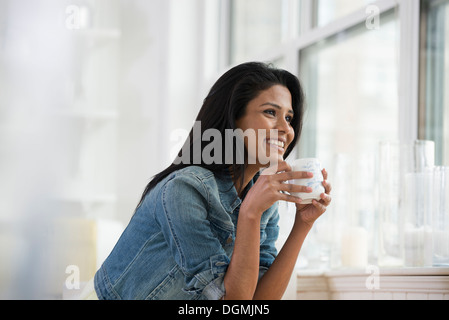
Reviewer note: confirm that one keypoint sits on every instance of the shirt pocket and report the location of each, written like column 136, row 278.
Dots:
column 224, row 235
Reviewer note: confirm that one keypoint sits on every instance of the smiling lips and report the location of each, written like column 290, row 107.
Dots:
column 279, row 144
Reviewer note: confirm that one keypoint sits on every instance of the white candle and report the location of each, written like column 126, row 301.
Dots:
column 418, row 249
column 354, row 247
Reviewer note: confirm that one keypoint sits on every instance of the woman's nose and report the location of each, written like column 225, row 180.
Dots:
column 283, row 126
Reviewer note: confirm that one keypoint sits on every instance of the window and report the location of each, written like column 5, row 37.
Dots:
column 351, row 87
column 250, row 19
column 351, row 84
column 361, row 79
column 434, row 124
column 327, row 11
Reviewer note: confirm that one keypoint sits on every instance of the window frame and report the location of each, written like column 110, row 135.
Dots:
column 409, row 16
column 424, row 108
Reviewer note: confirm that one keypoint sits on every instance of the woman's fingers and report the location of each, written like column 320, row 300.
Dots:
column 294, row 175
column 284, row 173
column 289, row 198
column 324, row 172
column 327, row 199
column 327, row 186
column 293, row 188
column 320, row 206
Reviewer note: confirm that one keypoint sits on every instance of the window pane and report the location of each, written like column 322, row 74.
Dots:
column 330, row 10
column 256, row 25
column 437, row 79
column 351, row 86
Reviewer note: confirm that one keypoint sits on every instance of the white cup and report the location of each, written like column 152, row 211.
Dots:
column 316, row 182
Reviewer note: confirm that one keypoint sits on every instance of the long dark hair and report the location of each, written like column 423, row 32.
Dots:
column 226, row 103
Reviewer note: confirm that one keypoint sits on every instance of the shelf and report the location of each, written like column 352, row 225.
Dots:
column 430, row 271
column 397, row 283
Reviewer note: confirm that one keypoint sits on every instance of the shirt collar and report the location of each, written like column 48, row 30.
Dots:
column 228, row 194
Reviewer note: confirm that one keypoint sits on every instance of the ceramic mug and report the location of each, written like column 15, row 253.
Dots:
column 316, row 182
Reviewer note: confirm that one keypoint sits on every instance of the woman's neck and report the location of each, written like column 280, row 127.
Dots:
column 250, row 173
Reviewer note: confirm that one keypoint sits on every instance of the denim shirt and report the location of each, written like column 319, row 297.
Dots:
column 179, row 243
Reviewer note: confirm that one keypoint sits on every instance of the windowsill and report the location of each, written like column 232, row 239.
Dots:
column 360, row 284
column 430, row 271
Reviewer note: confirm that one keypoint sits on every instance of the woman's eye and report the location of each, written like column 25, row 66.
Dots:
column 270, row 112
column 273, row 114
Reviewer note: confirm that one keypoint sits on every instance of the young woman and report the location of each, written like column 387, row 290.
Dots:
column 207, row 229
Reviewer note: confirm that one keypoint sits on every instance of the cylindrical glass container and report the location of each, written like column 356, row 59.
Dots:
column 397, row 159
column 440, row 217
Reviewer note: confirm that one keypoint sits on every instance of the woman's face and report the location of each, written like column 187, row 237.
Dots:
column 269, row 115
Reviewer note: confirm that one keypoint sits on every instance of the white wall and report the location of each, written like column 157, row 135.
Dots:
column 90, row 92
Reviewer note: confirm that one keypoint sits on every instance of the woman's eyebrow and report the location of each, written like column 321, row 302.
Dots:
column 276, row 106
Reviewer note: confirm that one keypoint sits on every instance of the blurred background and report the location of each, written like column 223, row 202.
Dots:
column 96, row 95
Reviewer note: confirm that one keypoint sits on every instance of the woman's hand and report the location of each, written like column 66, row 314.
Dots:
column 274, row 283
column 270, row 188
column 309, row 213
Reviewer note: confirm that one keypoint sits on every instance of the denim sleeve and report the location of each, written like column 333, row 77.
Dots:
column 194, row 247
column 268, row 251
